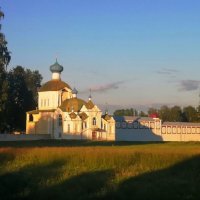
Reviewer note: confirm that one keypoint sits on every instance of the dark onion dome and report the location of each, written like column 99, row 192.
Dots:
column 106, row 117
column 74, row 91
column 73, row 115
column 89, row 104
column 56, row 67
column 73, row 104
column 54, row 85
column 83, row 115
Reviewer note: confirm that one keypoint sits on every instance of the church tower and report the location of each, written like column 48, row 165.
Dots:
column 56, row 70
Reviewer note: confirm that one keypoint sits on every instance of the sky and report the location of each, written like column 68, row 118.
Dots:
column 131, row 53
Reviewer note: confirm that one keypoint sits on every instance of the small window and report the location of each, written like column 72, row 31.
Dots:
column 85, row 124
column 104, row 127
column 30, row 118
column 94, row 121
column 60, row 120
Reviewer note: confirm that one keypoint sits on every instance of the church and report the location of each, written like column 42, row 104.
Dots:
column 62, row 115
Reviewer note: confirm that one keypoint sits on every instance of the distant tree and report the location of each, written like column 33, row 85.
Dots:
column 126, row 112
column 143, row 114
column 175, row 114
column 190, row 114
column 152, row 111
column 164, row 113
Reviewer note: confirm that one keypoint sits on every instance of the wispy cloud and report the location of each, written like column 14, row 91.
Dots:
column 189, row 85
column 105, row 87
column 167, row 71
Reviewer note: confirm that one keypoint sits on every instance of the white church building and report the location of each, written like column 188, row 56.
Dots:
column 62, row 115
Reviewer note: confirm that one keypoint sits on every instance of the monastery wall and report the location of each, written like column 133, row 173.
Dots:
column 170, row 131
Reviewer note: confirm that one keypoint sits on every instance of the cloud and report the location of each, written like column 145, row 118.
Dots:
column 167, row 71
column 189, row 85
column 104, row 87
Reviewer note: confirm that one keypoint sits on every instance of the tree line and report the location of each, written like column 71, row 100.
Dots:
column 18, row 90
column 166, row 113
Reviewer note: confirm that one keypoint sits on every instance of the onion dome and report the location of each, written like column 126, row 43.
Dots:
column 56, row 67
column 75, row 91
column 106, row 117
column 73, row 104
column 83, row 116
column 73, row 115
column 89, row 105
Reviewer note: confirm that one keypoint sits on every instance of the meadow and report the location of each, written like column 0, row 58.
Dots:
column 99, row 170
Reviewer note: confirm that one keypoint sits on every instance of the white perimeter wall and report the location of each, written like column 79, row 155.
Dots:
column 148, row 135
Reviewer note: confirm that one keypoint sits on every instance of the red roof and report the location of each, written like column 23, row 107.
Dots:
column 154, row 115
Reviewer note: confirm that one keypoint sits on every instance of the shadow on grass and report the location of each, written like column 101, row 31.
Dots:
column 70, row 143
column 19, row 184
column 6, row 157
column 90, row 185
column 180, row 182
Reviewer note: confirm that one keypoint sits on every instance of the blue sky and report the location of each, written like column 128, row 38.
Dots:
column 132, row 53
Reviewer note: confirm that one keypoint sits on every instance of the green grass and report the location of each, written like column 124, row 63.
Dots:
column 99, row 170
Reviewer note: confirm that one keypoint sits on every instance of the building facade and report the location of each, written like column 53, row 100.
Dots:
column 61, row 114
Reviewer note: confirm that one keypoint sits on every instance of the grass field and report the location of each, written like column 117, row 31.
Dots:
column 99, row 170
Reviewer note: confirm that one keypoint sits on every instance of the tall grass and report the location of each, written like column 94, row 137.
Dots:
column 114, row 171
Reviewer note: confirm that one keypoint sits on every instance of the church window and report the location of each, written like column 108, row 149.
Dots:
column 104, row 127
column 30, row 118
column 82, row 126
column 68, row 128
column 94, row 121
column 85, row 124
column 60, row 120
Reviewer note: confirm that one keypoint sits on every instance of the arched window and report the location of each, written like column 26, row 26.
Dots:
column 94, row 121
column 30, row 118
column 60, row 120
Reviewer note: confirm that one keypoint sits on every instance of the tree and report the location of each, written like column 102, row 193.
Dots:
column 22, row 95
column 190, row 114
column 4, row 61
column 164, row 113
column 126, row 112
column 152, row 111
column 175, row 114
